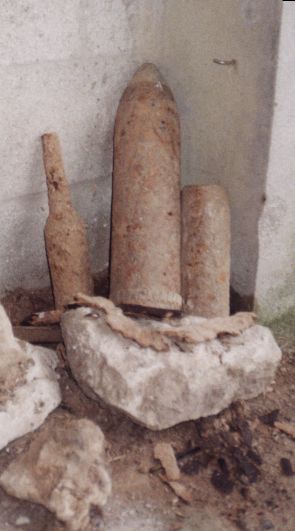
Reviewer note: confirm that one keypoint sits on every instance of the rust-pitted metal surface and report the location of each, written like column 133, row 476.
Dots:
column 205, row 251
column 145, row 260
column 65, row 232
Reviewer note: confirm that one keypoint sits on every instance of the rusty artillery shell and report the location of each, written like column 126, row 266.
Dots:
column 145, row 257
column 65, row 231
column 205, row 251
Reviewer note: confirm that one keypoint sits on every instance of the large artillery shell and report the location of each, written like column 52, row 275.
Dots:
column 65, row 232
column 205, row 251
column 145, row 259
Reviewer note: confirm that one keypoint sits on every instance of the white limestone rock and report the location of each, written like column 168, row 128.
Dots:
column 29, row 389
column 63, row 469
column 161, row 389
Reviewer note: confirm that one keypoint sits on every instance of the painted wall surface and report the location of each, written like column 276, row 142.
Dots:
column 63, row 67
column 275, row 287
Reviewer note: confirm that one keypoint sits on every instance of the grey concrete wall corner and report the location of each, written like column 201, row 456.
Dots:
column 275, row 281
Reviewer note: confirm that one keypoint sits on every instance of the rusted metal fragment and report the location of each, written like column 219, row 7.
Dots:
column 51, row 317
column 212, row 328
column 129, row 328
column 157, row 335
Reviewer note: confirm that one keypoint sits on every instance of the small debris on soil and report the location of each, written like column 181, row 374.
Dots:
column 270, row 418
column 267, row 524
column 221, row 481
column 22, row 520
column 255, row 457
column 243, row 427
column 245, row 466
column 164, row 452
column 190, row 468
column 286, row 466
column 180, row 490
column 286, row 427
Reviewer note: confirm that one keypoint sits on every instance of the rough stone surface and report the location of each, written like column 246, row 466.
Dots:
column 29, row 390
column 161, row 389
column 64, row 470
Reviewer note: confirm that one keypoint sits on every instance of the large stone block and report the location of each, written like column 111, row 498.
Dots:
column 161, row 389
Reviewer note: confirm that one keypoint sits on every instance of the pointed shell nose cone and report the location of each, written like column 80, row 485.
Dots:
column 148, row 72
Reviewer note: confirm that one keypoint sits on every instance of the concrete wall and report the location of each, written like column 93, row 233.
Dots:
column 63, row 67
column 226, row 111
column 275, row 285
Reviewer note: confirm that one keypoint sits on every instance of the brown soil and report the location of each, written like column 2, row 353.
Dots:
column 231, row 463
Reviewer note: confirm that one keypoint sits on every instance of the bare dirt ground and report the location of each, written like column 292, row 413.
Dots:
column 237, row 466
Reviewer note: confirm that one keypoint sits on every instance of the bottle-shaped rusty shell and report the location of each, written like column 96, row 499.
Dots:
column 65, row 231
column 205, row 251
column 145, row 250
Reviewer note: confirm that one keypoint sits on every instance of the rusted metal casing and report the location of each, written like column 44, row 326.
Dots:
column 205, row 251
column 145, row 250
column 65, row 232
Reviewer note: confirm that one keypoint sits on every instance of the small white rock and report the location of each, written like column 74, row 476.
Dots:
column 29, row 390
column 161, row 389
column 22, row 520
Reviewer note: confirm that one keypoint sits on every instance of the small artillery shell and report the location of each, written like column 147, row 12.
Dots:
column 145, row 258
column 205, row 251
column 65, row 231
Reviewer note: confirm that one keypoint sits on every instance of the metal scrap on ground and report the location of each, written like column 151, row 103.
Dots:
column 129, row 328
